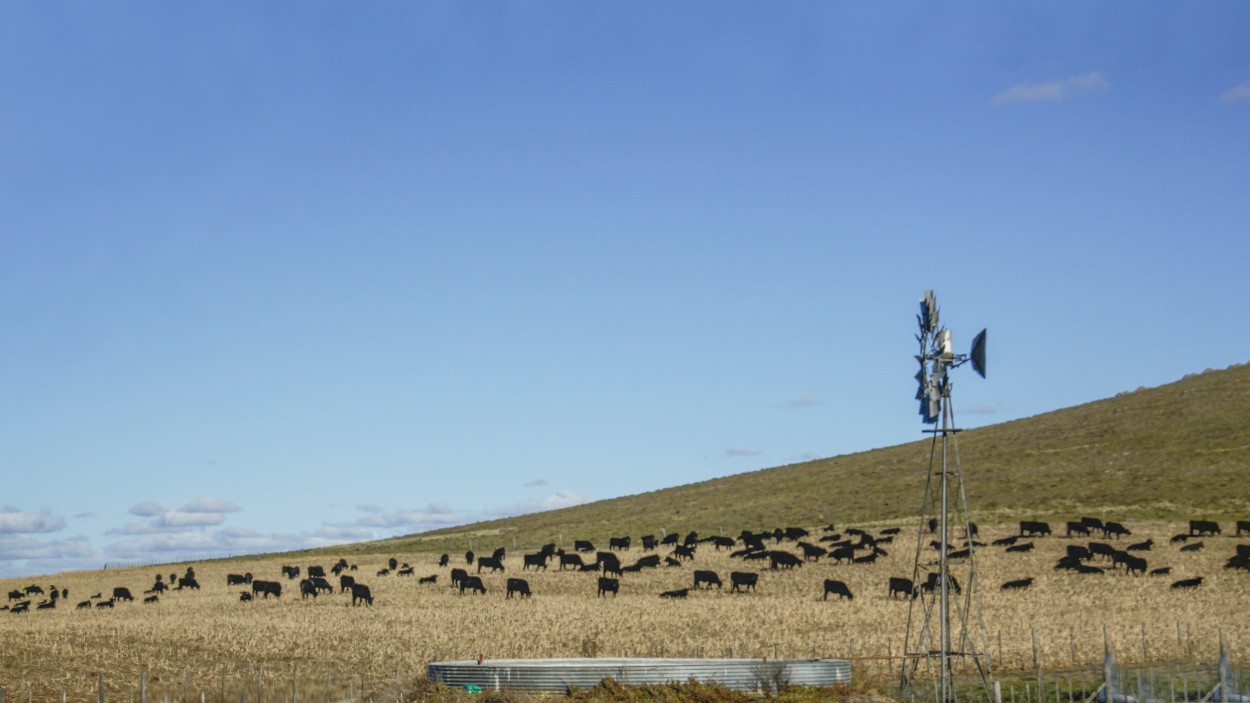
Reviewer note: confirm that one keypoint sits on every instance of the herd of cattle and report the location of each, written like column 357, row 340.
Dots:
column 854, row 546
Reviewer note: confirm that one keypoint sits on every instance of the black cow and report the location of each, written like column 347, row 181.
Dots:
column 267, row 588
column 1076, row 527
column 51, row 604
column 102, row 604
column 1026, row 547
column 458, row 576
column 245, row 597
column 812, row 552
column 669, row 539
column 346, row 581
column 1032, row 528
column 444, row 560
column 122, row 593
column 691, row 539
column 1005, row 541
column 933, row 581
column 187, row 582
column 468, row 557
column 706, row 577
column 721, row 542
column 1092, row 523
column 648, row 562
column 902, row 586
column 148, row 601
column 1179, row 537
column 1195, row 547
column 16, row 595
column 795, row 533
column 1243, row 526
column 1102, row 549
column 783, row 560
column 621, row 543
column 360, row 593
column 498, row 554
column 573, row 560
column 842, row 554
column 669, row 561
column 582, row 545
column 1114, row 529
column 520, row 587
column 1204, row 528
column 406, row 571
column 306, row 589
column 838, row 589
column 741, row 581
column 609, row 563
column 238, row 579
column 1087, row 569
column 1078, row 552
column 1017, row 584
column 33, row 589
column 609, row 585
column 1161, row 571
column 538, row 561
column 432, row 578
column 472, row 583
column 158, row 587
column 84, row 605
column 866, row 559
column 384, row 572
column 649, row 543
column 678, row 593
column 1185, row 584
column 684, row 551
column 316, row 571
column 291, row 572
column 490, row 562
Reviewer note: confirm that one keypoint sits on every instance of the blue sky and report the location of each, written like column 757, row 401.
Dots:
column 294, row 274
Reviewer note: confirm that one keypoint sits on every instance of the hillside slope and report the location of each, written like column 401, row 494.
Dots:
column 1172, row 452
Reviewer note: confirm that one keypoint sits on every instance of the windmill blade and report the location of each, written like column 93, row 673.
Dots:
column 978, row 354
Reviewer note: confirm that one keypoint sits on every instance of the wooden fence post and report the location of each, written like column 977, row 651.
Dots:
column 99, row 688
column 143, row 686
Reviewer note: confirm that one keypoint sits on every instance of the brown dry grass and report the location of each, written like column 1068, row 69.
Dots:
column 200, row 640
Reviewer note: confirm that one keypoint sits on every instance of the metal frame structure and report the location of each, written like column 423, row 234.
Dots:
column 932, row 650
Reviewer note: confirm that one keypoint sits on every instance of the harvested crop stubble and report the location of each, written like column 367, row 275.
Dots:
column 195, row 638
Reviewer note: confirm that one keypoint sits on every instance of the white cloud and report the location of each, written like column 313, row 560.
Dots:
column 23, row 547
column 146, row 509
column 14, row 521
column 209, row 504
column 536, row 483
column 432, row 514
column 742, row 451
column 553, row 501
column 1240, row 94
column 1054, row 91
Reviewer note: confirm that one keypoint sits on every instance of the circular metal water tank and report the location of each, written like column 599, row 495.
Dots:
column 562, row 674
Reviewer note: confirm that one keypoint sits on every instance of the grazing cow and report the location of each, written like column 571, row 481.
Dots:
column 316, row 571
column 1161, row 571
column 149, row 600
column 538, row 561
column 812, row 552
column 1187, row 583
column 443, row 560
column 962, row 553
column 1033, row 528
column 609, row 585
column 238, row 579
column 783, row 560
column 669, row 539
column 583, row 545
column 432, row 578
column 795, row 533
column 384, row 572
column 104, row 604
column 649, row 543
column 520, row 587
column 1179, row 537
column 933, row 580
column 321, row 584
column 838, row 589
column 339, row 567
column 706, row 577
column 741, row 581
column 1078, row 552
column 1102, row 549
column 1017, row 584
column 621, row 543
column 866, row 559
column 472, row 583
column 33, row 589
column 346, row 581
column 406, row 571
column 902, row 586
column 692, row 538
column 245, row 597
column 843, row 554
column 648, row 562
column 1114, row 530
column 1076, row 527
column 573, row 560
column 122, row 593
column 306, row 588
column 16, row 595
column 683, row 551
column 51, row 604
column 158, row 587
column 490, row 562
column 188, row 582
column 1087, row 569
column 458, row 576
column 267, row 588
column 1140, row 546
column 291, row 572
column 84, row 605
column 722, row 542
column 669, row 561
column 1026, row 547
column 1005, row 541
column 1195, row 547
column 1204, row 528
column 678, row 593
column 360, row 593
column 1135, row 565
column 1243, row 526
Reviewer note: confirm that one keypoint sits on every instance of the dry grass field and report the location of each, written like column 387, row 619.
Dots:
column 208, row 640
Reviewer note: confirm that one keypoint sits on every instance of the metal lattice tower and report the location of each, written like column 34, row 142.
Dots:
column 946, row 634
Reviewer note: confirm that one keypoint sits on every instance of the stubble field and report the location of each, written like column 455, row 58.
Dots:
column 209, row 641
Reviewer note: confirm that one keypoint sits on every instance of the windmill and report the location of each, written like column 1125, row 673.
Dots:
column 946, row 634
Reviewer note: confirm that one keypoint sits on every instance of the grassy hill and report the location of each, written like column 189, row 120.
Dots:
column 1174, row 452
